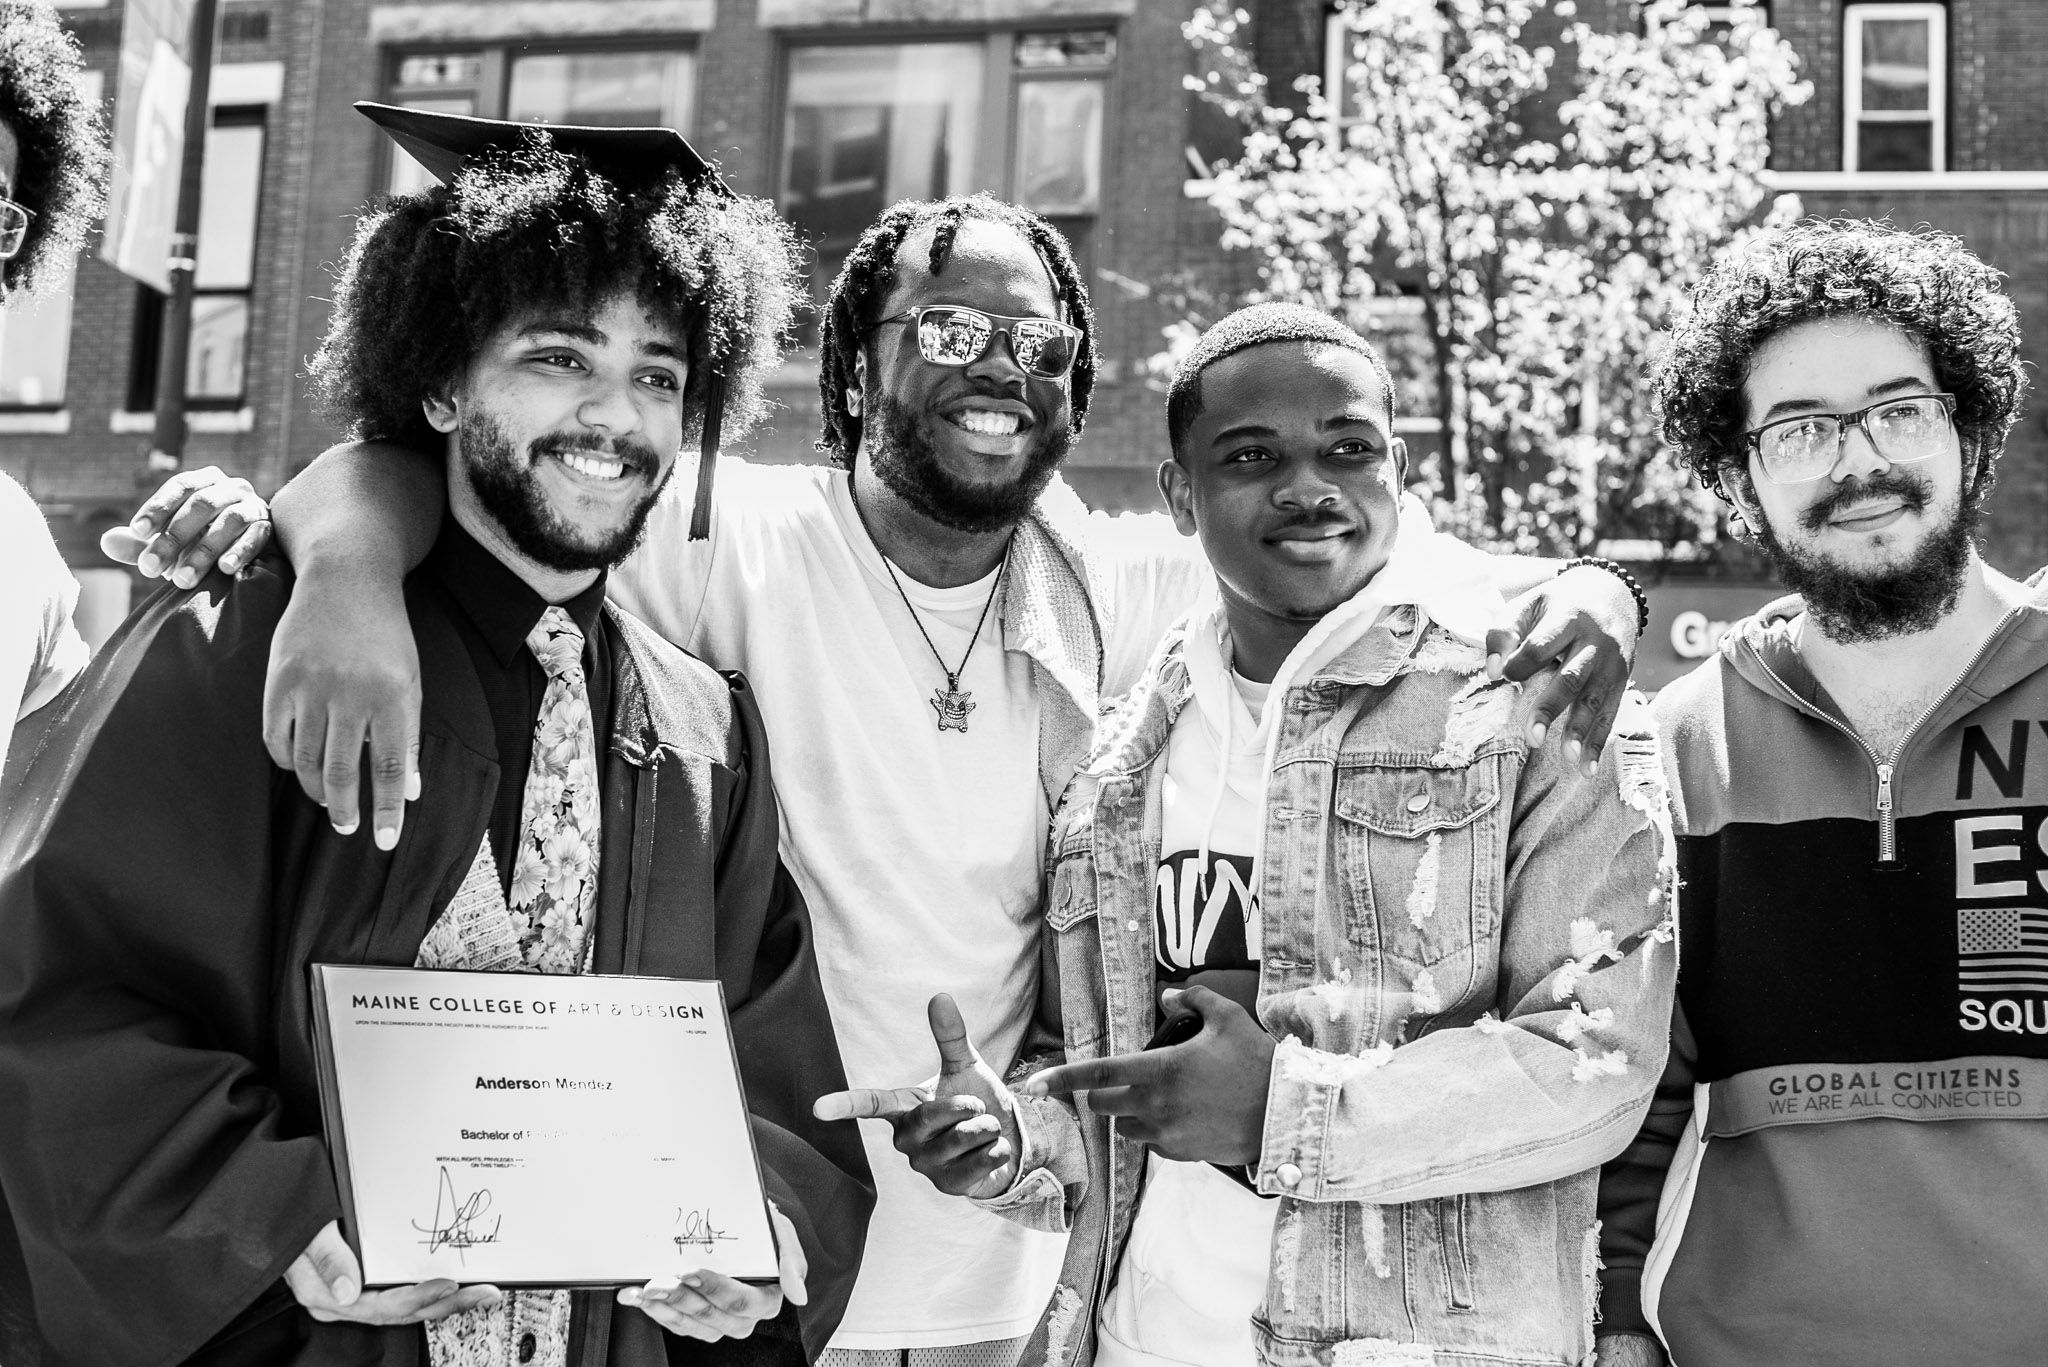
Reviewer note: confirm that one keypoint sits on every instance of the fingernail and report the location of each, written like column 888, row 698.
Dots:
column 1536, row 730
column 1571, row 749
column 1032, row 1087
column 149, row 563
column 141, row 525
column 387, row 837
column 629, row 1296
column 228, row 564
column 1592, row 766
column 1493, row 666
column 345, row 1290
column 350, row 828
column 184, row 577
column 412, row 786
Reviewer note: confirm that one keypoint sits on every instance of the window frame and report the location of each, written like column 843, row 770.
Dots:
column 1335, row 59
column 92, row 84
column 145, row 353
column 1854, row 17
column 995, row 152
column 493, row 88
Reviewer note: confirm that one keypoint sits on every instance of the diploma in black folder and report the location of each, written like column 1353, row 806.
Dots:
column 537, row 1130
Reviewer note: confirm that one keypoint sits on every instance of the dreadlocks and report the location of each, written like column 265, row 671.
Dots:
column 870, row 273
column 63, row 146
column 433, row 275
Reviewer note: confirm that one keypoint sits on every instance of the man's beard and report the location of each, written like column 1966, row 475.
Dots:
column 905, row 460
column 510, row 491
column 1852, row 606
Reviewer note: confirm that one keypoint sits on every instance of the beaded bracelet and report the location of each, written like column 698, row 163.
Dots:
column 1635, row 590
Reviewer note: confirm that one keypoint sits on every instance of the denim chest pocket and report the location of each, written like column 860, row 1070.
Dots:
column 1070, row 872
column 1420, row 854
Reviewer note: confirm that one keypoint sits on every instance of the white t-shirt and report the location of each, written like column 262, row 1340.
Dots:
column 919, row 851
column 1193, row 1270
column 40, row 649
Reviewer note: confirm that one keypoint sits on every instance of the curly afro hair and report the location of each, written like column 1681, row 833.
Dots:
column 63, row 144
column 869, row 273
column 1253, row 326
column 1926, row 283
column 433, row 275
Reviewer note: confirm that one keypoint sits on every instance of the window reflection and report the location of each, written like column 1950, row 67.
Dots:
column 867, row 125
column 1059, row 146
column 35, row 339
column 611, row 89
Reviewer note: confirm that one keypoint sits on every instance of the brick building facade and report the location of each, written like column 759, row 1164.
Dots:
column 833, row 106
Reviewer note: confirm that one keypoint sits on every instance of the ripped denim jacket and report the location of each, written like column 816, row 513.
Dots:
column 1468, row 961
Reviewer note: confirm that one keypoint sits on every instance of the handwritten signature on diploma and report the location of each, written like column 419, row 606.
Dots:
column 698, row 1231
column 458, row 1222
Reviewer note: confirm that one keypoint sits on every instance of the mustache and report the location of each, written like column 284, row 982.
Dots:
column 632, row 450
column 1315, row 517
column 1911, row 489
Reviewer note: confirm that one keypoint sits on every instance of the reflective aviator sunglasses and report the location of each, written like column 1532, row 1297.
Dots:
column 1800, row 450
column 13, row 227
column 952, row 335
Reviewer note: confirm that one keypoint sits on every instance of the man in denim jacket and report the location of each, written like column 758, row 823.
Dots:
column 1458, row 956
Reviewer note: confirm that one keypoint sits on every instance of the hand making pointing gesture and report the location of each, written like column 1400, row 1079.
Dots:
column 1202, row 1101
column 960, row 1128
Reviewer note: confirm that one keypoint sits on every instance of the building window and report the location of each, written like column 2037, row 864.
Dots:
column 1895, row 95
column 230, row 196
column 35, row 334
column 35, row 343
column 869, row 124
column 866, row 124
column 1336, row 59
column 639, row 87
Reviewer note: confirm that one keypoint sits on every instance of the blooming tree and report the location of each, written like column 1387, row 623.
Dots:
column 1548, row 204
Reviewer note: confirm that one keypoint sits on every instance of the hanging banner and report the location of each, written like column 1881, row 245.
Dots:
column 149, row 139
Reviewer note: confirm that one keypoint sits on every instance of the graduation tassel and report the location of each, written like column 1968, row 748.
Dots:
column 707, row 458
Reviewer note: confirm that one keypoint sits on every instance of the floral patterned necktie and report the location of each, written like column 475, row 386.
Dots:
column 554, row 885
column 554, row 872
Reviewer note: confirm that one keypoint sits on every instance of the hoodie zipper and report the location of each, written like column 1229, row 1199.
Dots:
column 1887, row 768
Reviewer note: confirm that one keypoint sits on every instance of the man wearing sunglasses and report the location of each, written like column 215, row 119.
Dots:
column 52, row 151
column 1845, row 1164
column 930, row 628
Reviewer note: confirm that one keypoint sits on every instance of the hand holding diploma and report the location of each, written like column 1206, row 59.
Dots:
column 328, row 1282
column 960, row 1129
column 709, row 1306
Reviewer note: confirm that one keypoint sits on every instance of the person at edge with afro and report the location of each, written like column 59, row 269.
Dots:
column 1847, row 1163
column 559, row 315
column 53, row 155
column 933, row 621
column 1339, row 1146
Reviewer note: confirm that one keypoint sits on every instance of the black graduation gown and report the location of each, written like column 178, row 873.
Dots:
column 163, row 887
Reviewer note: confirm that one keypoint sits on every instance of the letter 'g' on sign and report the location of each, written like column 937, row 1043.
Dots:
column 1694, row 635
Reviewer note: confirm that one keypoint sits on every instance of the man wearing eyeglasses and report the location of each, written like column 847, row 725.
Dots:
column 1845, row 1164
column 930, row 626
column 51, row 154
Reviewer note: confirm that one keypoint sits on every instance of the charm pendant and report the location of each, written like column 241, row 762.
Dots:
column 952, row 705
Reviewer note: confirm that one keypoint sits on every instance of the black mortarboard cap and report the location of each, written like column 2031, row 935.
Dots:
column 442, row 142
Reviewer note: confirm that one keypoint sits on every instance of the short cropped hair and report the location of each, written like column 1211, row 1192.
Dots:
column 1926, row 283
column 1256, row 326
column 869, row 273
column 433, row 275
column 63, row 144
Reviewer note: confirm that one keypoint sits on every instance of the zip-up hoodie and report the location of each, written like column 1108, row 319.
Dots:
column 1848, row 1162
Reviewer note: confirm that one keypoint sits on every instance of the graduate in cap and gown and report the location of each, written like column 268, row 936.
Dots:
column 565, row 310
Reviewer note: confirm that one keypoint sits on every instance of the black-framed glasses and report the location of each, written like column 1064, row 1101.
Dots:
column 13, row 227
column 953, row 335
column 1801, row 449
